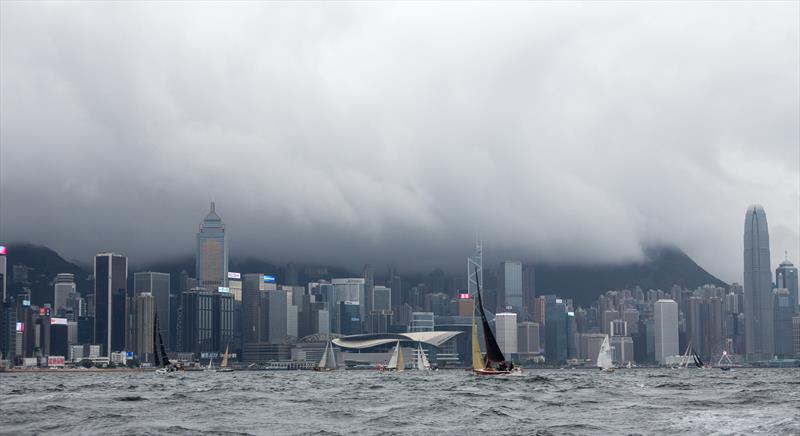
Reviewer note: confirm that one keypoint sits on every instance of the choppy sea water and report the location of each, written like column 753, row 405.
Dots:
column 637, row 401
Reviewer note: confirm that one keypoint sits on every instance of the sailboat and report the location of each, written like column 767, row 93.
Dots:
column 328, row 360
column 727, row 364
column 160, row 359
column 698, row 362
column 223, row 366
column 495, row 363
column 210, row 367
column 396, row 362
column 422, row 362
column 605, row 358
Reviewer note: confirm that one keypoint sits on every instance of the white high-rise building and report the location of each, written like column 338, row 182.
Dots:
column 666, row 329
column 505, row 327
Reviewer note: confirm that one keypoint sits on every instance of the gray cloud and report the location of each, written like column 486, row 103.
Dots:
column 351, row 133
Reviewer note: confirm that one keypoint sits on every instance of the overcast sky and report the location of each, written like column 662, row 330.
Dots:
column 351, row 133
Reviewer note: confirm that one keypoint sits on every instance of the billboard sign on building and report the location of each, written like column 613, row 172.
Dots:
column 224, row 290
column 463, row 295
column 20, row 326
column 269, row 279
column 57, row 361
column 3, row 250
column 58, row 321
column 234, row 275
column 26, row 303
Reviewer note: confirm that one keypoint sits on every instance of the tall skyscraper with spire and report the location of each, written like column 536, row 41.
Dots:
column 759, row 333
column 212, row 252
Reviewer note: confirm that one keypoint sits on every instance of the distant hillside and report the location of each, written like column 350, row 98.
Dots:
column 43, row 265
column 664, row 267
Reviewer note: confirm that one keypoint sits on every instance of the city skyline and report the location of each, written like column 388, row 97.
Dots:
column 581, row 150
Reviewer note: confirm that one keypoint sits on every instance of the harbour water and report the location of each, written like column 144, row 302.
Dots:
column 635, row 401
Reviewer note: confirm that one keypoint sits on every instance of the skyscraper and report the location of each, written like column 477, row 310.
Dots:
column 212, row 253
column 786, row 277
column 158, row 285
column 782, row 318
column 511, row 284
column 63, row 286
column 665, row 313
column 528, row 290
column 145, row 318
column 111, row 301
column 369, row 286
column 759, row 333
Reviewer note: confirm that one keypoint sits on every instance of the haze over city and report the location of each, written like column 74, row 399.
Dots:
column 383, row 133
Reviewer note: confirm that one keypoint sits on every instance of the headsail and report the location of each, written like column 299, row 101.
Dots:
column 493, row 353
column 224, row 363
column 401, row 365
column 477, row 357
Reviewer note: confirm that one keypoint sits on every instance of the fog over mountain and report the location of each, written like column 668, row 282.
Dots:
column 351, row 133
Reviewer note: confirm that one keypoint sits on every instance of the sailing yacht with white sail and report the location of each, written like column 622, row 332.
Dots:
column 328, row 360
column 605, row 357
column 725, row 363
column 396, row 362
column 422, row 363
column 223, row 366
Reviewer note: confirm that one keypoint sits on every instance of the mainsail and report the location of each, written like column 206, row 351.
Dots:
column 158, row 345
column 697, row 360
column 422, row 359
column 605, row 359
column 396, row 361
column 493, row 353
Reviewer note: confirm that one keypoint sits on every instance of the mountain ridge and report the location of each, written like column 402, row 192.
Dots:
column 663, row 267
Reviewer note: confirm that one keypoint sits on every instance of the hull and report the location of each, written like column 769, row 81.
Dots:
column 225, row 370
column 315, row 369
column 492, row 371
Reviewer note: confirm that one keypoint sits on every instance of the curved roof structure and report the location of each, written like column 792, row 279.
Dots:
column 373, row 340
